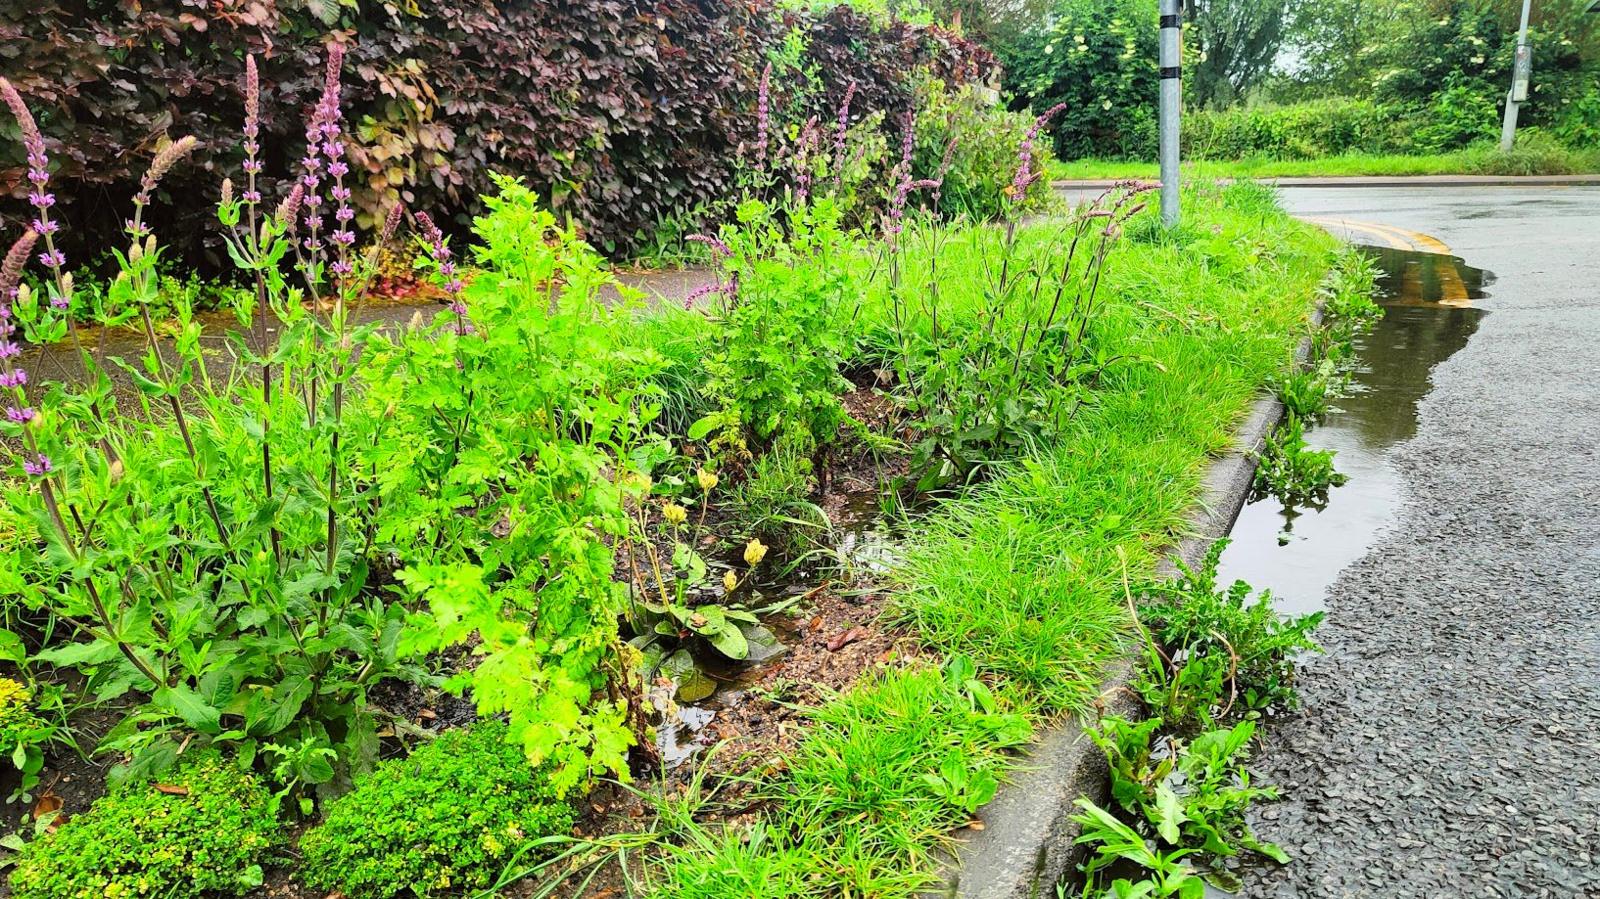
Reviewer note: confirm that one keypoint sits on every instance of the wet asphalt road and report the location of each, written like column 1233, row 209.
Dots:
column 1450, row 743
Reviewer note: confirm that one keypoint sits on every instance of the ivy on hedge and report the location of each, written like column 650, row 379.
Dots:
column 621, row 112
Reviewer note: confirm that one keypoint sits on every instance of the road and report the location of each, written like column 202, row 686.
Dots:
column 1450, row 742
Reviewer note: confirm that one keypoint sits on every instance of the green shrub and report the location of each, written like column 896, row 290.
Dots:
column 1535, row 153
column 1099, row 58
column 1309, row 130
column 1455, row 118
column 983, row 160
column 206, row 830
column 448, row 816
column 22, row 735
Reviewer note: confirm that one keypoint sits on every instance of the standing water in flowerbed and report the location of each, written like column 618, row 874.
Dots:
column 406, row 611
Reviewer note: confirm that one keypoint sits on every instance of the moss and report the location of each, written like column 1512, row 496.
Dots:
column 205, row 832
column 447, row 817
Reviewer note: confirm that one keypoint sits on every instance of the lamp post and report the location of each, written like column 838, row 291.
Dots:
column 1520, row 71
column 1171, row 77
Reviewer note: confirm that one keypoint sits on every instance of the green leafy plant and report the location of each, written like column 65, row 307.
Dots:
column 1186, row 801
column 1196, row 620
column 202, row 542
column 1292, row 471
column 23, row 736
column 1306, row 394
column 442, row 820
column 783, row 299
column 676, row 607
column 1114, row 842
column 205, row 830
column 1007, row 374
column 499, row 494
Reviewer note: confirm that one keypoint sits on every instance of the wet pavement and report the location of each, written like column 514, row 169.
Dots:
column 1448, row 745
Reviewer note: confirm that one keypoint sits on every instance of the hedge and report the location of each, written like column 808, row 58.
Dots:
column 621, row 112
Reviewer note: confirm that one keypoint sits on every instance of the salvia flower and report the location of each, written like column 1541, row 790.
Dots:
column 763, row 115
column 718, row 249
column 15, row 259
column 1025, row 175
column 252, row 103
column 165, row 160
column 802, row 160
column 38, row 465
column 288, row 211
column 20, row 414
column 843, row 128
column 14, row 378
column 38, row 168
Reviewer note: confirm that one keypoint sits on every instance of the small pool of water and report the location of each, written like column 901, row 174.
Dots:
column 1428, row 316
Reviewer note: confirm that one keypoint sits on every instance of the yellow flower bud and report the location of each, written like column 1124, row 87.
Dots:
column 674, row 513
column 729, row 581
column 754, row 552
column 708, row 480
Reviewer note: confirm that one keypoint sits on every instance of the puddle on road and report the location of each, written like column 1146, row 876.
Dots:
column 1427, row 317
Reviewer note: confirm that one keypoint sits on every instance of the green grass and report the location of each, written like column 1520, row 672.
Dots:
column 1474, row 161
column 1023, row 575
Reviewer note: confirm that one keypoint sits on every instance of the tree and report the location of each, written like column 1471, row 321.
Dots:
column 1235, row 43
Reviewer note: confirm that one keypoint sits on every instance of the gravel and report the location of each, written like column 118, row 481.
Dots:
column 1450, row 743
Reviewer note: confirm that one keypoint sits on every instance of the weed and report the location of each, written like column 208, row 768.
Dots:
column 1186, row 801
column 772, row 501
column 1291, row 470
column 1200, row 624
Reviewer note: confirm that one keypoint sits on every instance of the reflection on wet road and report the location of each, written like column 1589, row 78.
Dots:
column 1428, row 316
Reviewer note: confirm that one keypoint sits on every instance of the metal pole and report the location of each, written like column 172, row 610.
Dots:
column 1520, row 71
column 1171, row 104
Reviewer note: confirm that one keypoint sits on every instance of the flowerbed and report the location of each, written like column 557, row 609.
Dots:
column 562, row 507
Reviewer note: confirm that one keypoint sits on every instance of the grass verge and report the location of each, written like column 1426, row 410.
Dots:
column 1539, row 160
column 1017, row 584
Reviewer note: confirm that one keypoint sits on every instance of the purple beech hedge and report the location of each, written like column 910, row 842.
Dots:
column 619, row 111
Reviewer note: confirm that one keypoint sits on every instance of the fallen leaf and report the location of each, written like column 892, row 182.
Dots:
column 47, row 803
column 974, row 825
column 427, row 713
column 845, row 639
column 172, row 789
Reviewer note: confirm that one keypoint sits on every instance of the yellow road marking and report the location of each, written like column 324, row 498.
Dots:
column 1427, row 243
column 1399, row 238
column 1371, row 231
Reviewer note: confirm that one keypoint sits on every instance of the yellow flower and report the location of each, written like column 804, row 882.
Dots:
column 675, row 513
column 729, row 581
column 707, row 480
column 754, row 552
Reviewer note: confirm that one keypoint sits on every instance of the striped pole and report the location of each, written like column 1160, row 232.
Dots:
column 1171, row 103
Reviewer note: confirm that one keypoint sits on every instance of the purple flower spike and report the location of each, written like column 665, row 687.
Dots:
column 15, row 259
column 37, row 466
column 718, row 248
column 1025, row 175
column 763, row 115
column 9, row 349
column 14, row 378
column 20, row 414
